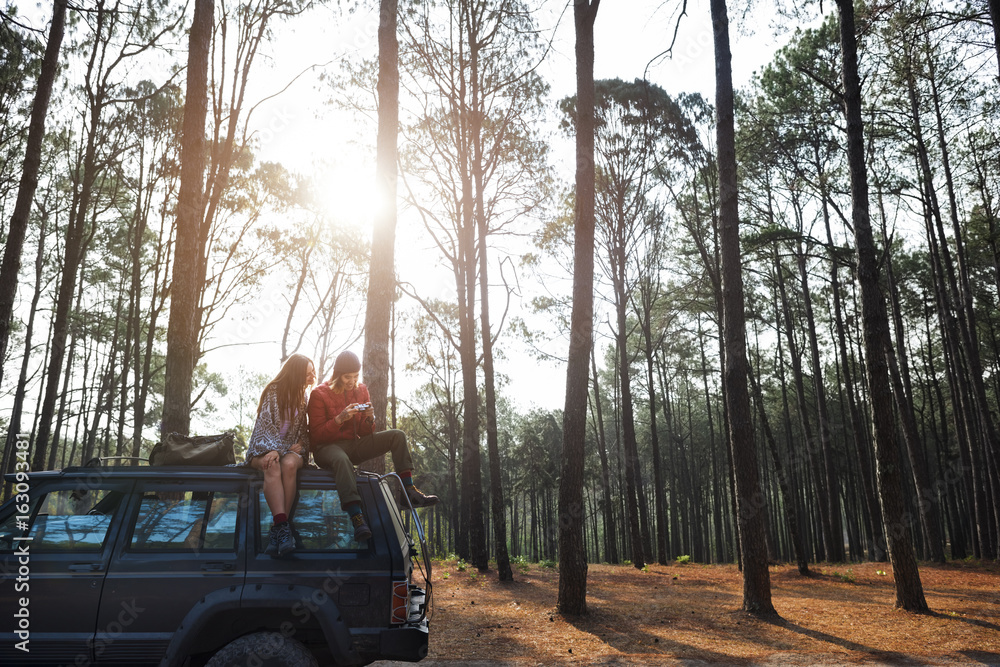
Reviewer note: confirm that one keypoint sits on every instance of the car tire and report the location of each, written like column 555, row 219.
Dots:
column 263, row 649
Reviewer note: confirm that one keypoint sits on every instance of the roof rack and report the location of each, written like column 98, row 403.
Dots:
column 98, row 461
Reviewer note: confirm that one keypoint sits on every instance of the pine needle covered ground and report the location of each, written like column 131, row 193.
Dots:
column 688, row 614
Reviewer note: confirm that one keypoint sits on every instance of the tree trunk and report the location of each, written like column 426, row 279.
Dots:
column 125, row 356
column 465, row 276
column 938, row 412
column 951, row 294
column 811, row 453
column 909, row 591
column 750, row 500
column 987, row 425
column 64, row 394
column 134, row 316
column 142, row 388
column 861, row 446
column 903, row 398
column 995, row 17
column 382, row 269
column 472, row 489
column 674, row 532
column 983, row 183
column 14, row 427
column 831, row 481
column 728, row 428
column 718, row 490
column 29, row 175
column 957, row 374
column 454, row 513
column 640, row 489
column 796, row 466
column 658, row 484
column 784, row 482
column 497, row 504
column 572, row 598
column 610, row 523
column 182, row 330
column 628, row 419
column 77, row 241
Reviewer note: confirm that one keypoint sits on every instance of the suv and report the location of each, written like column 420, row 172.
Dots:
column 166, row 565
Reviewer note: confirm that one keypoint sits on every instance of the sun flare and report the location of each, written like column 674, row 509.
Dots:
column 348, row 197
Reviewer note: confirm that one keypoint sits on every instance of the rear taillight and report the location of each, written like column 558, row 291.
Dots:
column 400, row 601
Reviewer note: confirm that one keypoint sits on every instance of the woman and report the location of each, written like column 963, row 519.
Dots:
column 279, row 444
column 341, row 433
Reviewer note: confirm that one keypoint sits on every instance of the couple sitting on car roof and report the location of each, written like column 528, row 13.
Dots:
column 340, row 432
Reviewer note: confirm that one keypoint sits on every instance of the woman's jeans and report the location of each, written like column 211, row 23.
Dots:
column 341, row 456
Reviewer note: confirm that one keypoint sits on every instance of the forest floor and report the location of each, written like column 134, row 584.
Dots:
column 688, row 614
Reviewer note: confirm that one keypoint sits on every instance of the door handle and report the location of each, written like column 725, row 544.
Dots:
column 217, row 567
column 84, row 567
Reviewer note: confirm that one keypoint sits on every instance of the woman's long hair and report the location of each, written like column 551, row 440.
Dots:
column 290, row 383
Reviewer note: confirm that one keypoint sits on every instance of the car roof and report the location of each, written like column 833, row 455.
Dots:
column 186, row 472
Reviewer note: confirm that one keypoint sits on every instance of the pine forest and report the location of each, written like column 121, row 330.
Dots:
column 771, row 301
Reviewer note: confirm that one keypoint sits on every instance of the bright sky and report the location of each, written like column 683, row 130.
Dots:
column 298, row 130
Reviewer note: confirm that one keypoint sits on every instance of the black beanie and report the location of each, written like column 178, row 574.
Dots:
column 347, row 362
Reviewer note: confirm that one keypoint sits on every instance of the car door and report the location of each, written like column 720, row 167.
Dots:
column 355, row 575
column 54, row 560
column 181, row 541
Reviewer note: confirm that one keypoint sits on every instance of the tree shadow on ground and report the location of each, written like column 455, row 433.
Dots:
column 971, row 621
column 665, row 594
column 859, row 594
column 982, row 657
column 601, row 625
column 960, row 594
column 836, row 641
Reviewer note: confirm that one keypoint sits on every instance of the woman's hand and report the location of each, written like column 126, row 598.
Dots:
column 353, row 409
column 344, row 415
column 297, row 448
column 269, row 459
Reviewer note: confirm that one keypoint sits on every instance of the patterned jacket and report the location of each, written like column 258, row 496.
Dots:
column 266, row 434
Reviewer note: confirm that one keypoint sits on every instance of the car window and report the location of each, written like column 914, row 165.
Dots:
column 185, row 521
column 71, row 519
column 319, row 522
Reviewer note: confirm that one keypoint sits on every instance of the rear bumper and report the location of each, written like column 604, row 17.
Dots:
column 407, row 643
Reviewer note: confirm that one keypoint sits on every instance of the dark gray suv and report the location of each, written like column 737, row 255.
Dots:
column 166, row 565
